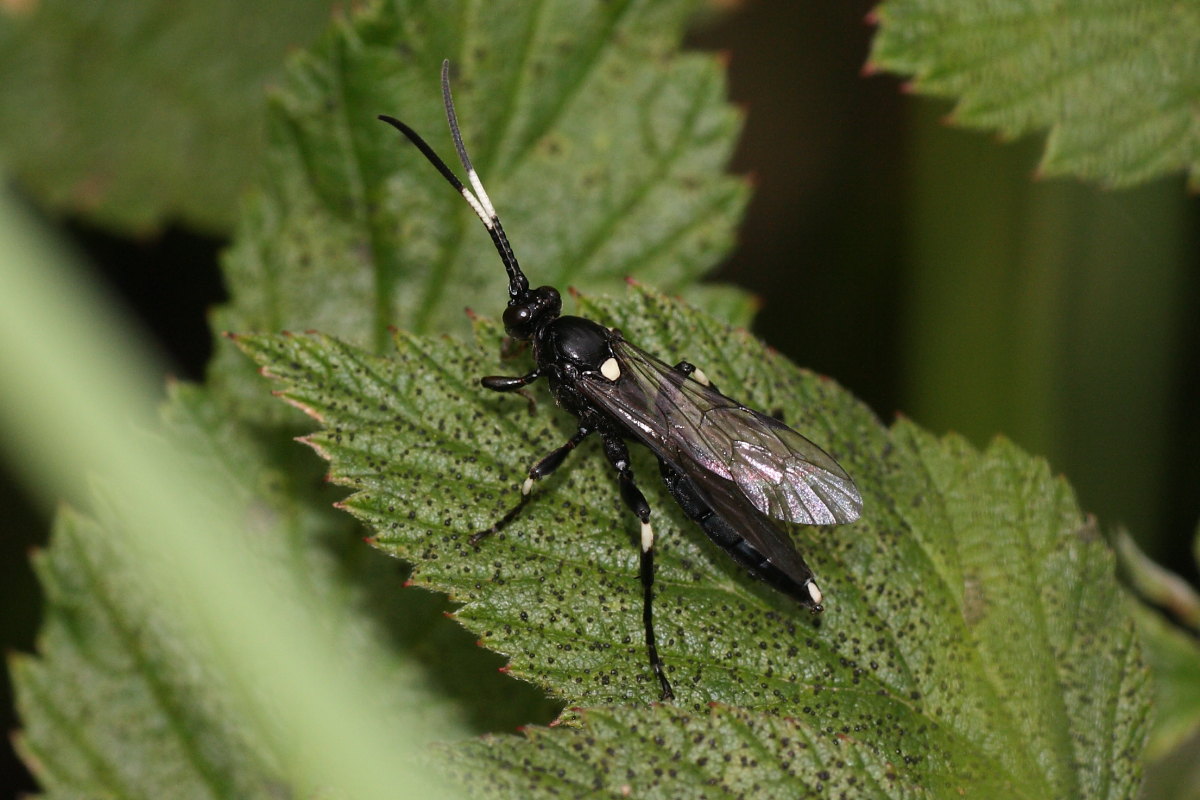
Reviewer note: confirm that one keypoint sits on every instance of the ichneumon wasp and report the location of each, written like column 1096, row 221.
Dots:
column 735, row 471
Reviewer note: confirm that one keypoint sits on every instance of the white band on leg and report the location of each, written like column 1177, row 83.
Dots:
column 647, row 537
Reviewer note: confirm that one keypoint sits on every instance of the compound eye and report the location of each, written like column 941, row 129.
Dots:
column 518, row 321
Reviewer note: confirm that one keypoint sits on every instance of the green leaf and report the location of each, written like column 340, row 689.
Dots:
column 601, row 146
column 665, row 752
column 138, row 113
column 1116, row 83
column 975, row 635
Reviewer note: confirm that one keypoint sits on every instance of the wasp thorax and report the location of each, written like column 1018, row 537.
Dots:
column 527, row 313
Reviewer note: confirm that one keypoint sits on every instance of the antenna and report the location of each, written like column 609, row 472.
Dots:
column 481, row 204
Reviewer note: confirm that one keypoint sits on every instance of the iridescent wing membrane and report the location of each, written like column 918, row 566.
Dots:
column 698, row 430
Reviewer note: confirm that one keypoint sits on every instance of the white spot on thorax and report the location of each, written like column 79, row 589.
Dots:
column 527, row 486
column 647, row 536
column 611, row 369
column 701, row 378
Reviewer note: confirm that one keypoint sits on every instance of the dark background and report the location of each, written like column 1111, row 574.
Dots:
column 828, row 245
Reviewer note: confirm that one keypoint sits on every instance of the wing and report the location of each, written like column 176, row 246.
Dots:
column 695, row 427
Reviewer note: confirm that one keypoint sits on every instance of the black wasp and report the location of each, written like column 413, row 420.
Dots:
column 733, row 470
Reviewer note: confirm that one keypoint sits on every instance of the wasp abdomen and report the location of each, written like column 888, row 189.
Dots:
column 797, row 583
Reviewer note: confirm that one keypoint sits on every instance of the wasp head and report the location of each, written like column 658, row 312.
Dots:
column 531, row 311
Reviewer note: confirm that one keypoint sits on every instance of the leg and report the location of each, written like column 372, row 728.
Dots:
column 618, row 455
column 690, row 370
column 538, row 471
column 509, row 383
column 513, row 383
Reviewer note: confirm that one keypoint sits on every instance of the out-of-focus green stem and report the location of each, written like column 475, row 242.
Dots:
column 74, row 386
column 1044, row 310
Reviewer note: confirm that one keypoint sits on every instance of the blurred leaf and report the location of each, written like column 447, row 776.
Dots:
column 602, row 147
column 138, row 113
column 111, row 706
column 1176, row 776
column 975, row 635
column 1115, row 83
column 1174, row 659
column 117, row 703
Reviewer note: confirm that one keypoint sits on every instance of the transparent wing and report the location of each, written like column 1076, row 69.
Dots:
column 691, row 425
